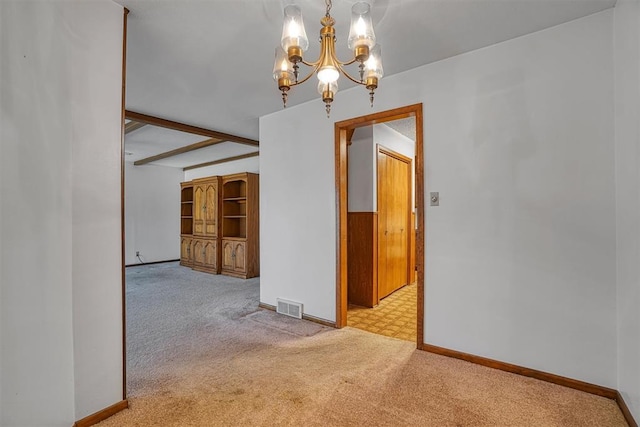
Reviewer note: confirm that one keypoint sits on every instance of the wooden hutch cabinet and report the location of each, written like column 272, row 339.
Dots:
column 186, row 223
column 206, row 224
column 240, row 221
column 219, row 225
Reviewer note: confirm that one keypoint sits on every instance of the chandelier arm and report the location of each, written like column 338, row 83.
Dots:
column 353, row 61
column 299, row 82
column 312, row 64
column 349, row 77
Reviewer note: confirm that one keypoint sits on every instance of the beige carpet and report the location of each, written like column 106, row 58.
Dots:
column 220, row 362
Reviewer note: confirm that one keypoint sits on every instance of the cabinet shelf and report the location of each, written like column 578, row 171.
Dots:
column 186, row 209
column 235, row 216
column 235, row 199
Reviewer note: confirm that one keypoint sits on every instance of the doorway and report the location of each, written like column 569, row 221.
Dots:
column 385, row 238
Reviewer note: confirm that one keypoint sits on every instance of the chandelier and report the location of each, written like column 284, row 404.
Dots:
column 362, row 41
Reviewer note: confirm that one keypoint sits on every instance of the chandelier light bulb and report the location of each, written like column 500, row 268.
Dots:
column 360, row 27
column 328, row 74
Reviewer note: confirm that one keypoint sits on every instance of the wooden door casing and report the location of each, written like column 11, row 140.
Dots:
column 394, row 220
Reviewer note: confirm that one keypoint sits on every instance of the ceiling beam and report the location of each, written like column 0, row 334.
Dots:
column 181, row 150
column 132, row 125
column 228, row 159
column 156, row 121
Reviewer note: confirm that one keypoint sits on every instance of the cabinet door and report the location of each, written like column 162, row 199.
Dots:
column 210, row 254
column 211, row 209
column 197, row 253
column 199, row 207
column 185, row 250
column 239, row 258
column 227, row 255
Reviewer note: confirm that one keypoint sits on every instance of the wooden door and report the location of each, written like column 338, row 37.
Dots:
column 394, row 217
column 185, row 251
column 211, row 209
column 210, row 252
column 197, row 253
column 239, row 258
column 227, row 255
column 198, row 210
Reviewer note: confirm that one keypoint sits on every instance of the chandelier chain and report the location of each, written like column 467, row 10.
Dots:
column 329, row 5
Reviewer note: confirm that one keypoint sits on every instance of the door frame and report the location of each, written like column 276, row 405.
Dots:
column 343, row 131
column 381, row 148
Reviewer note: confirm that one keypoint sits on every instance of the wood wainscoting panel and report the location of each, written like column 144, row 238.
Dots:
column 362, row 258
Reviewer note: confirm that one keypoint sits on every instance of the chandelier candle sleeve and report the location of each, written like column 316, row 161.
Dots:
column 361, row 35
column 282, row 72
column 294, row 37
column 328, row 67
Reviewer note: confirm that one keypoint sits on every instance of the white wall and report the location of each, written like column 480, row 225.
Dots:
column 361, row 190
column 362, row 195
column 60, row 274
column 252, row 164
column 521, row 257
column 627, row 143
column 152, row 213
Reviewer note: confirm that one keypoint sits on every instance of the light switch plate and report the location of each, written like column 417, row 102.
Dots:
column 434, row 197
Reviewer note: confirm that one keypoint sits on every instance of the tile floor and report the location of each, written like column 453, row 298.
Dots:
column 395, row 316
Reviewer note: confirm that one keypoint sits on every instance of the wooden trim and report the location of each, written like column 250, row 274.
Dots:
column 226, row 160
column 132, row 125
column 152, row 262
column 340, row 135
column 169, row 124
column 122, row 201
column 102, row 415
column 420, row 210
column 350, row 133
column 342, row 239
column 389, row 152
column 198, row 145
column 539, row 375
column 382, row 117
column 308, row 317
column 527, row 372
column 625, row 410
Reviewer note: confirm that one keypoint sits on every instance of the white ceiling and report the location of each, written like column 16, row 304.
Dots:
column 209, row 63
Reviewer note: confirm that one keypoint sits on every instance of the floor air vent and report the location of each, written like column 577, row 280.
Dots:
column 289, row 308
